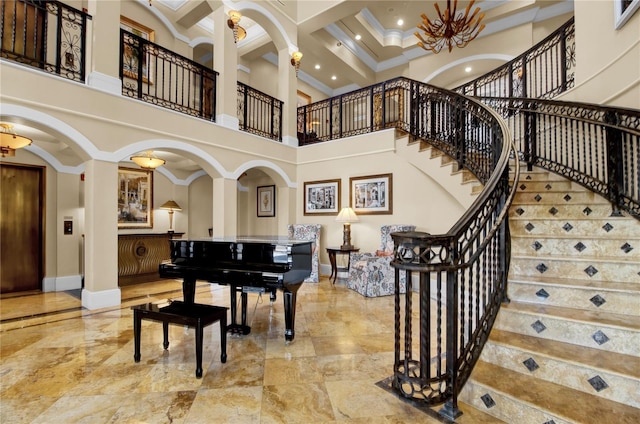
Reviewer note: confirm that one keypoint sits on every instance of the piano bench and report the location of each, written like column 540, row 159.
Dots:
column 195, row 315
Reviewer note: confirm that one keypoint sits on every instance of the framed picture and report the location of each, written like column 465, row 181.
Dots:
column 322, row 197
column 131, row 50
column 135, row 198
column 372, row 194
column 266, row 201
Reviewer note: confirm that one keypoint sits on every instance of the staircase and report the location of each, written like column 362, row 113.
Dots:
column 566, row 349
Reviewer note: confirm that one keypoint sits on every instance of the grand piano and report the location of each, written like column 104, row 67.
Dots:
column 246, row 264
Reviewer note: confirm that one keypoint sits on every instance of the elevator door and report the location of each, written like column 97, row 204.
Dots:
column 21, row 228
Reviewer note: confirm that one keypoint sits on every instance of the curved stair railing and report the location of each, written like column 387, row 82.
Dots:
column 463, row 273
column 595, row 146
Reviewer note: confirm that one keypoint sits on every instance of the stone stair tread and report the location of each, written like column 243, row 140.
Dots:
column 593, row 358
column 577, row 283
column 561, row 401
column 601, row 318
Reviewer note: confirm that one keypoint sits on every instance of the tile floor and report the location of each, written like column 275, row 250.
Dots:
column 61, row 363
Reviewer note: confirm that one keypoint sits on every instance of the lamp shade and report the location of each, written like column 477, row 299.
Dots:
column 347, row 215
column 171, row 205
column 148, row 160
column 10, row 141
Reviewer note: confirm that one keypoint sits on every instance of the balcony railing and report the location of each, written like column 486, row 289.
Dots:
column 543, row 72
column 259, row 113
column 159, row 76
column 47, row 35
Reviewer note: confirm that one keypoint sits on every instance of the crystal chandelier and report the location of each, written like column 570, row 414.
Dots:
column 448, row 29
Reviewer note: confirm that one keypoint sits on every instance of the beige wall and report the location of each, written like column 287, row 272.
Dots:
column 607, row 64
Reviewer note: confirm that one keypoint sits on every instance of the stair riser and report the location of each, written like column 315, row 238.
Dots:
column 620, row 340
column 568, row 198
column 546, row 186
column 573, row 211
column 620, row 388
column 618, row 302
column 506, row 408
column 526, row 177
column 624, row 229
column 575, row 268
column 583, row 247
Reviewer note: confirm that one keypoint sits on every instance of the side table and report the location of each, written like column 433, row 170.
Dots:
column 332, row 252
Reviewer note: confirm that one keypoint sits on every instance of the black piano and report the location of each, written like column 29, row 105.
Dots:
column 246, row 264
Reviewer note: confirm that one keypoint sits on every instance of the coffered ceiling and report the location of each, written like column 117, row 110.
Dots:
column 354, row 40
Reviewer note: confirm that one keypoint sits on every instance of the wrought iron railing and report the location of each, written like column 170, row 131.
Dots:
column 595, row 146
column 544, row 71
column 259, row 113
column 159, row 76
column 47, row 35
column 357, row 112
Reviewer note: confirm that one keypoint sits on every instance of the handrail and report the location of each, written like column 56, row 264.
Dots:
column 47, row 35
column 544, row 71
column 259, row 113
column 151, row 73
column 596, row 146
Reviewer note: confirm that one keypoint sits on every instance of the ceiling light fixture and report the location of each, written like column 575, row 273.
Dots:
column 295, row 60
column 148, row 160
column 358, row 37
column 233, row 22
column 10, row 141
column 400, row 22
column 317, row 66
column 448, row 29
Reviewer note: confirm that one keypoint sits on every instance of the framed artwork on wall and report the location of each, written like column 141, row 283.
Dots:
column 322, row 197
column 372, row 194
column 131, row 50
column 135, row 198
column 266, row 201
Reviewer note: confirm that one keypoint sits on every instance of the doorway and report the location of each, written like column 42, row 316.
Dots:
column 21, row 228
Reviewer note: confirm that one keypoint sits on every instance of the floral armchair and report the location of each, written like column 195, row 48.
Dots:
column 310, row 232
column 371, row 274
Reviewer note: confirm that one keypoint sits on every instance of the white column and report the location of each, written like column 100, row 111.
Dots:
column 104, row 46
column 225, row 62
column 101, row 235
column 287, row 91
column 225, row 207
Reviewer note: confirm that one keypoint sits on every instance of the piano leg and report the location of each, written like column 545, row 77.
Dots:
column 289, row 315
column 234, row 327
column 272, row 296
column 189, row 289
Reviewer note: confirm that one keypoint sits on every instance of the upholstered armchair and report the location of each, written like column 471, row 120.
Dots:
column 308, row 232
column 371, row 274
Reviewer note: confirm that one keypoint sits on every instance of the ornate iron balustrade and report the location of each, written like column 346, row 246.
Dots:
column 358, row 112
column 462, row 275
column 595, row 146
column 48, row 35
column 544, row 71
column 259, row 113
column 159, row 76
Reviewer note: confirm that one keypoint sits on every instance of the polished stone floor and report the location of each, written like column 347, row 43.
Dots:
column 61, row 363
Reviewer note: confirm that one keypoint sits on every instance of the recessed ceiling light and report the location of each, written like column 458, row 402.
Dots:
column 358, row 36
column 333, row 77
column 317, row 66
column 400, row 22
column 467, row 69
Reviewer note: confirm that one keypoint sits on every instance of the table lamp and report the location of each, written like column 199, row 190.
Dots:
column 171, row 206
column 347, row 216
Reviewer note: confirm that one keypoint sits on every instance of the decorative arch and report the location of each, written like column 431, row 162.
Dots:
column 475, row 58
column 271, row 169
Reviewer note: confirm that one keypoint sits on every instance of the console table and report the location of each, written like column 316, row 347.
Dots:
column 139, row 256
